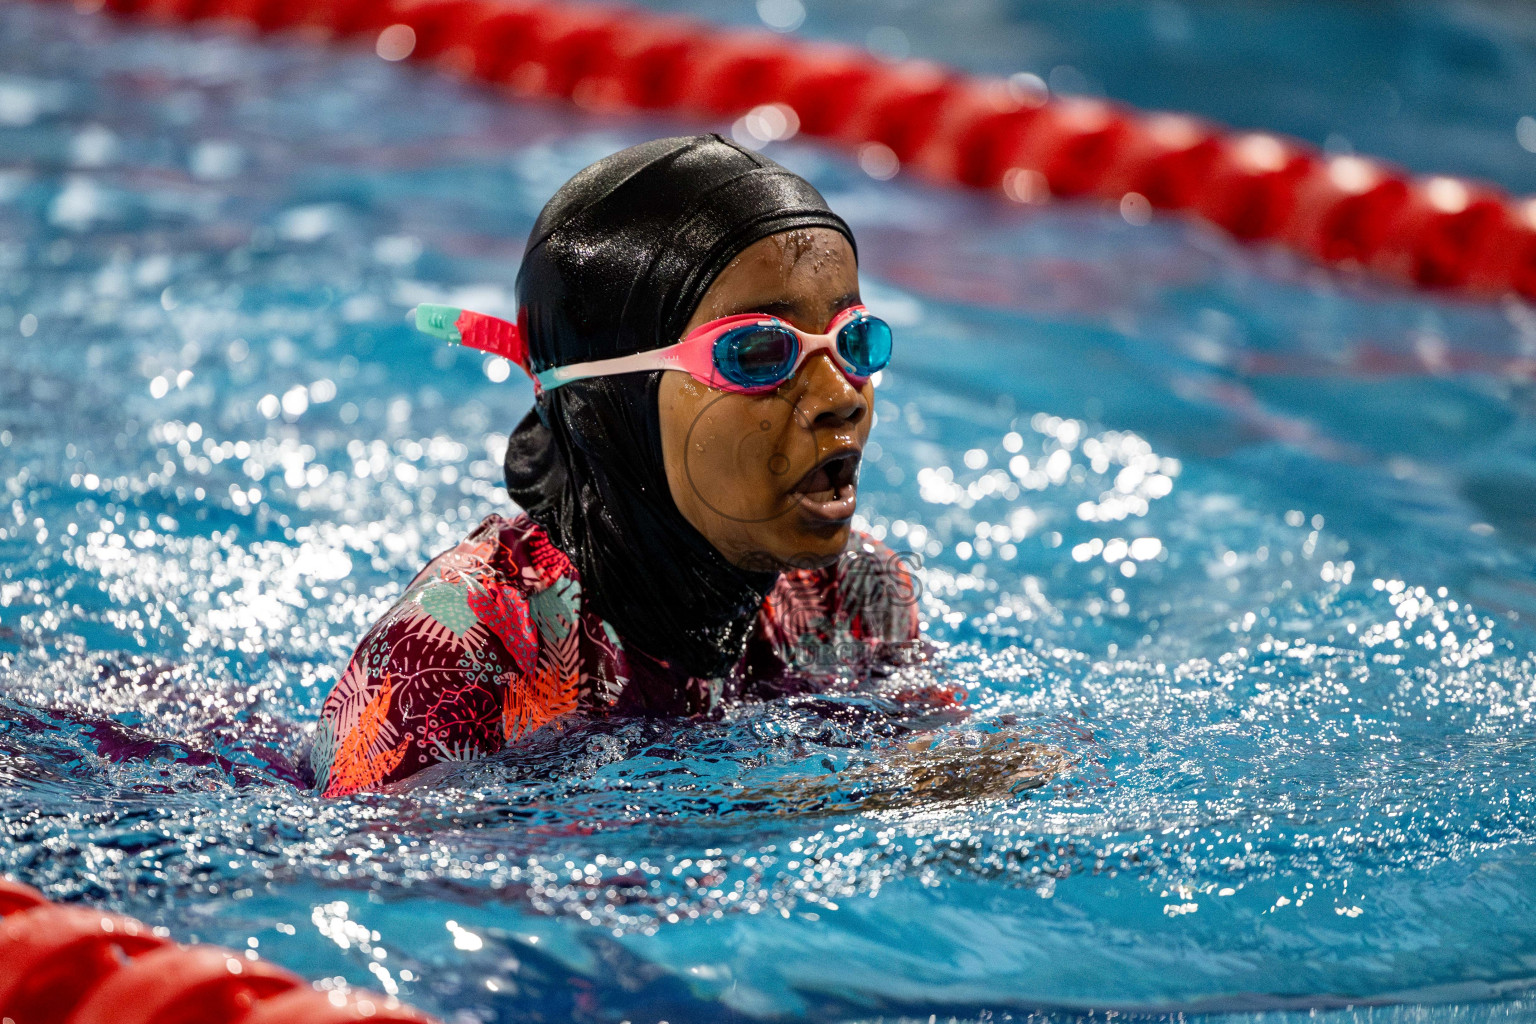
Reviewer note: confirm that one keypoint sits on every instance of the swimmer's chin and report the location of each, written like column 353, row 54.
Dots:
column 816, row 544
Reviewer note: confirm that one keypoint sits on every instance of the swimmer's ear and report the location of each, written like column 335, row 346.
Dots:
column 473, row 330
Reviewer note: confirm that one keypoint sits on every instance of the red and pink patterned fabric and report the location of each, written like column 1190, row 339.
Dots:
column 492, row 641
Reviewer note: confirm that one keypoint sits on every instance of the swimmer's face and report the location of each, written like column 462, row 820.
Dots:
column 770, row 479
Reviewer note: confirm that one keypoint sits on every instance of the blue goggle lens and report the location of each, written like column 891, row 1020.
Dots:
column 866, row 344
column 756, row 355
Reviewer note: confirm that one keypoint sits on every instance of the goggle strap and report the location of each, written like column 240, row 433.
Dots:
column 474, row 330
column 635, row 362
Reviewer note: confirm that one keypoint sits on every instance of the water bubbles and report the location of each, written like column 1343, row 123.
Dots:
column 497, row 369
column 93, row 146
column 781, row 15
column 1525, row 133
column 295, row 401
column 770, row 122
column 216, row 160
column 1447, row 195
column 152, row 271
column 282, row 351
column 1028, row 88
column 24, row 99
column 80, row 204
column 397, row 250
column 1065, row 80
column 1026, row 185
column 878, row 161
column 1136, row 209
column 396, row 42
column 463, row 938
column 309, row 223
column 889, row 42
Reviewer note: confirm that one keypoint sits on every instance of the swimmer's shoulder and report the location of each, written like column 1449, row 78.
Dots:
column 877, row 587
column 866, row 552
column 518, row 550
column 871, row 590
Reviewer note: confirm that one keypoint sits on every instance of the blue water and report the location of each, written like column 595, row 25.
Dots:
column 1243, row 549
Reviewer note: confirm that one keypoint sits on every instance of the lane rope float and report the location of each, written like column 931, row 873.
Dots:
column 74, row 965
column 1000, row 134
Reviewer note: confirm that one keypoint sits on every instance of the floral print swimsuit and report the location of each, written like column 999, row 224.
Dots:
column 492, row 641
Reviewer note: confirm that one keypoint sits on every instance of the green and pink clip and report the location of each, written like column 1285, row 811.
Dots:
column 473, row 330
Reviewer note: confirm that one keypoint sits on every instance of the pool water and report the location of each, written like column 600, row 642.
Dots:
column 1244, row 548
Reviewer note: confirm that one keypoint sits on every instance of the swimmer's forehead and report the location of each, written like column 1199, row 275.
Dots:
column 793, row 310
column 806, row 276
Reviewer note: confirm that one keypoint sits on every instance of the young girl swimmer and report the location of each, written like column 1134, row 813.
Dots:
column 690, row 313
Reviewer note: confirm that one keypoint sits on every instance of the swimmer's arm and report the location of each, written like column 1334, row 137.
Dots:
column 428, row 683
column 927, row 772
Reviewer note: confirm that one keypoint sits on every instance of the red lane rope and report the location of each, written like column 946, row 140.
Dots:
column 1346, row 212
column 72, row 965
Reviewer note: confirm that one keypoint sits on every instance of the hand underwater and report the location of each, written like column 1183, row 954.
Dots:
column 923, row 773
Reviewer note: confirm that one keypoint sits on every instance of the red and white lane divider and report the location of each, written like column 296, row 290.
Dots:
column 1347, row 212
column 71, row 965
column 1344, row 211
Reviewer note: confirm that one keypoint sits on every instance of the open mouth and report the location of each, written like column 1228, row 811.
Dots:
column 830, row 490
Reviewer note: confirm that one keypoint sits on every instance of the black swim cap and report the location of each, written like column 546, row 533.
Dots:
column 617, row 263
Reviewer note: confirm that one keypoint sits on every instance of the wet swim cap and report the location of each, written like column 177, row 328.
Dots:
column 617, row 263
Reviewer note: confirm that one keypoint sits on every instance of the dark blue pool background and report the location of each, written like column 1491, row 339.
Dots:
column 1298, row 727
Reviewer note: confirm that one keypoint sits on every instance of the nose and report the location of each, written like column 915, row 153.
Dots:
column 827, row 398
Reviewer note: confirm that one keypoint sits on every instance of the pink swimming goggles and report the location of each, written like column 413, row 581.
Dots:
column 749, row 353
